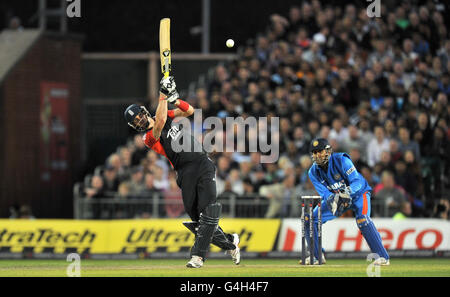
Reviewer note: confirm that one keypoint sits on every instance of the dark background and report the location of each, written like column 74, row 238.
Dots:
column 133, row 26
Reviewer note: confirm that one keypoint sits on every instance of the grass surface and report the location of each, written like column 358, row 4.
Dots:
column 224, row 268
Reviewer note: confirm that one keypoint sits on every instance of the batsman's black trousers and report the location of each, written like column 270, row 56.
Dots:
column 197, row 180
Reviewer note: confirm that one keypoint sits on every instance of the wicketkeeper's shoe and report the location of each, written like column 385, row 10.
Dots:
column 195, row 262
column 381, row 262
column 236, row 253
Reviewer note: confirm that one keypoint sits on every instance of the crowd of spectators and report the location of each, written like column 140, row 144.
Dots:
column 376, row 88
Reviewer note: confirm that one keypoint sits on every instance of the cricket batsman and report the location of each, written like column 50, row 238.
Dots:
column 195, row 172
column 342, row 187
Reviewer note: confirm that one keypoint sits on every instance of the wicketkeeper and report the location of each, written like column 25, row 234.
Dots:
column 342, row 187
column 195, row 171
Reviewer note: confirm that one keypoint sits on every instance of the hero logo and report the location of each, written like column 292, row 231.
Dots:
column 433, row 239
column 348, row 239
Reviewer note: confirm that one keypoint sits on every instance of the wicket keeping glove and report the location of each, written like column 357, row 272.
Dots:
column 332, row 203
column 168, row 88
column 338, row 203
column 343, row 204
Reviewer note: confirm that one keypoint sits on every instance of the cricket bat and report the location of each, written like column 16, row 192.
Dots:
column 164, row 46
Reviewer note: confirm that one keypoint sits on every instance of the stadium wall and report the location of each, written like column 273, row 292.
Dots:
column 49, row 72
column 159, row 238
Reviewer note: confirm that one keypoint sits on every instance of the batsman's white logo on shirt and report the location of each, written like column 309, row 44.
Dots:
column 174, row 133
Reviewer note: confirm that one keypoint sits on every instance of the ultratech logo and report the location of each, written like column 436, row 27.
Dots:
column 158, row 236
column 45, row 236
column 157, row 239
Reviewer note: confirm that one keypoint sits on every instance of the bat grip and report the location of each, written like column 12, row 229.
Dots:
column 166, row 64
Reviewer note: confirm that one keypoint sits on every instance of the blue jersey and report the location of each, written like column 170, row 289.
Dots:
column 341, row 174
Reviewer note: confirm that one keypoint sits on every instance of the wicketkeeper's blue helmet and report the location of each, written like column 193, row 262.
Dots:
column 318, row 145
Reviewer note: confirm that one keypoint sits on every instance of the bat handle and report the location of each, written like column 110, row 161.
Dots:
column 166, row 65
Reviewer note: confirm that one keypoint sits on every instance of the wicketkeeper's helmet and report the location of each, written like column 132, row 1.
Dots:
column 318, row 145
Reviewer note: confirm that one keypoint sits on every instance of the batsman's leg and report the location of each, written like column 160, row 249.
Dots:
column 220, row 238
column 210, row 212
column 207, row 225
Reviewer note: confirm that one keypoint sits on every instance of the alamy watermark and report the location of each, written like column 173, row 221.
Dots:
column 227, row 135
column 373, row 270
column 74, row 268
column 74, row 8
column 374, row 8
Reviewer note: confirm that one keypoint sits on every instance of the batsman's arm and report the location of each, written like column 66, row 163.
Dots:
column 160, row 116
column 183, row 109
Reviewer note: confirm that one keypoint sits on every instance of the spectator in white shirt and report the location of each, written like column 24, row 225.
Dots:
column 376, row 146
column 338, row 131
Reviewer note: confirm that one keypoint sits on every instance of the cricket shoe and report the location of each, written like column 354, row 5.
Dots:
column 381, row 262
column 195, row 262
column 236, row 253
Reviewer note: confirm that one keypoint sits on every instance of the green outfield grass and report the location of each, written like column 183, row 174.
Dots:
column 224, row 268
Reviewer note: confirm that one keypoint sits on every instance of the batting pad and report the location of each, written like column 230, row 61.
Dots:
column 219, row 237
column 207, row 225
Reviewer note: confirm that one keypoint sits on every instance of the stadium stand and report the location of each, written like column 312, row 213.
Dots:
column 377, row 88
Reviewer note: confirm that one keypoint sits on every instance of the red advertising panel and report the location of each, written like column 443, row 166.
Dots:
column 54, row 131
column 343, row 235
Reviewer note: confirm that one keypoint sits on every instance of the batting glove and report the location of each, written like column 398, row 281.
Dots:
column 168, row 88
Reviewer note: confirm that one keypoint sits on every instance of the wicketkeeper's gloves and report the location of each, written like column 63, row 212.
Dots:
column 338, row 203
column 168, row 88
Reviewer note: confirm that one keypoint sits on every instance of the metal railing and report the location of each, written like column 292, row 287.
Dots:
column 119, row 208
column 233, row 206
column 157, row 207
column 247, row 206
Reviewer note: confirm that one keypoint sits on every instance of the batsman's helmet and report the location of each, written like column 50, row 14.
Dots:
column 137, row 117
column 318, row 145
